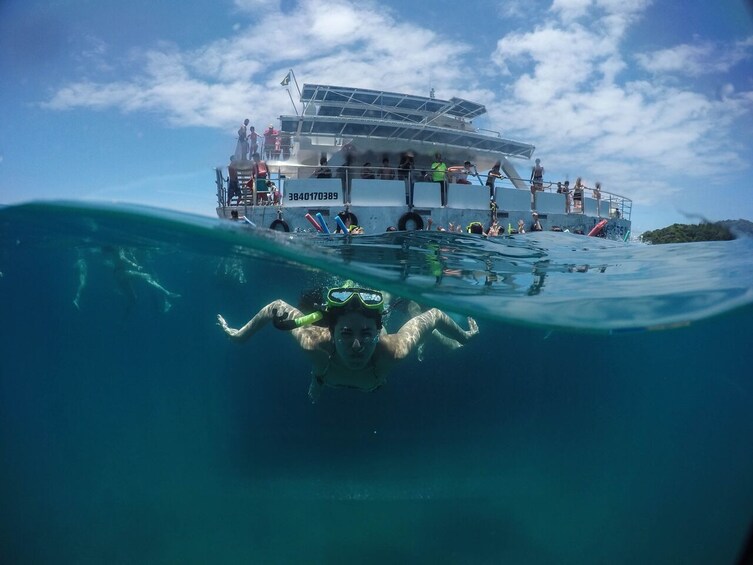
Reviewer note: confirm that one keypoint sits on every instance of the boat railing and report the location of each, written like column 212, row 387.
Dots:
column 547, row 199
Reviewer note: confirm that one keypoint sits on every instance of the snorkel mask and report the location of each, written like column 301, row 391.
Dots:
column 475, row 227
column 338, row 297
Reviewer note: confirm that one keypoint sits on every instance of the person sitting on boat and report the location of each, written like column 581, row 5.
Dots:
column 459, row 174
column 344, row 338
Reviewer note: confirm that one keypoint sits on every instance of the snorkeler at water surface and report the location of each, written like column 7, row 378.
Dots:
column 351, row 348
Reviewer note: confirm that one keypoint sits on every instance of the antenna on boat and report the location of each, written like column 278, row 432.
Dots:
column 286, row 82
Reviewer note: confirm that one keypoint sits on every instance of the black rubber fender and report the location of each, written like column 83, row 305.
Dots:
column 416, row 219
column 279, row 225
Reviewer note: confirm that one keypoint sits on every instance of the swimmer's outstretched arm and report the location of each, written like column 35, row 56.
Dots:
column 309, row 337
column 416, row 330
column 265, row 315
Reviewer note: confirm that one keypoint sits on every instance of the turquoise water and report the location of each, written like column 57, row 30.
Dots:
column 602, row 415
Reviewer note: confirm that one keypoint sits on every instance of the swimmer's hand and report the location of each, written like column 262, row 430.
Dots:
column 228, row 330
column 473, row 328
column 281, row 322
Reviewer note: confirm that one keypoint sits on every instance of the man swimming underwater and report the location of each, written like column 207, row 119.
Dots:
column 351, row 348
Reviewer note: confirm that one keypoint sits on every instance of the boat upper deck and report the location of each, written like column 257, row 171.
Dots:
column 338, row 113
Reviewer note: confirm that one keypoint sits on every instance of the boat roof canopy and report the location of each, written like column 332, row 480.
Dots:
column 401, row 131
column 346, row 101
column 341, row 112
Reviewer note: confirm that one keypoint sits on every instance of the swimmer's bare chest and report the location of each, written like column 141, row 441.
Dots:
column 329, row 372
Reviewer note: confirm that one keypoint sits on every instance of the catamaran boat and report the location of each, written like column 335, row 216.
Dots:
column 354, row 156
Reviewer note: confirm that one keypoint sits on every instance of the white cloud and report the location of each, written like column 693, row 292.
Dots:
column 336, row 41
column 570, row 92
column 570, row 10
column 255, row 6
column 702, row 57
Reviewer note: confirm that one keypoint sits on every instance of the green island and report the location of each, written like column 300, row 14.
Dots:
column 706, row 231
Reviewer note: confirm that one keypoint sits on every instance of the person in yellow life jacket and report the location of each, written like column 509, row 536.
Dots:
column 439, row 174
column 438, row 169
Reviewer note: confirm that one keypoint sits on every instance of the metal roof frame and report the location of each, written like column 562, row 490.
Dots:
column 426, row 109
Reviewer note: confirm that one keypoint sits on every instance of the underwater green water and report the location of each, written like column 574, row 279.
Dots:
column 133, row 431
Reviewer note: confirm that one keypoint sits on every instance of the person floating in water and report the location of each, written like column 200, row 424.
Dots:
column 126, row 270
column 345, row 341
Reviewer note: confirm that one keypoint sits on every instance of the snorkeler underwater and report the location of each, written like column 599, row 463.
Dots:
column 352, row 348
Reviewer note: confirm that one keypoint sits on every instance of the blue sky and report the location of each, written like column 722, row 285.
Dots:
column 137, row 101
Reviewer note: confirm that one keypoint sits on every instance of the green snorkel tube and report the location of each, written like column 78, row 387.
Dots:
column 283, row 323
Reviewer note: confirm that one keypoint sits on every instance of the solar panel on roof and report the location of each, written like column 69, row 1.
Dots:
column 456, row 107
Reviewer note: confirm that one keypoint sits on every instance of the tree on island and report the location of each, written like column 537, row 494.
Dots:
column 684, row 233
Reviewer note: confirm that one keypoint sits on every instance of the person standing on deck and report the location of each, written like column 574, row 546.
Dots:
column 259, row 172
column 269, row 141
column 439, row 175
column 233, row 190
column 241, row 148
column 492, row 176
column 597, row 196
column 253, row 139
column 537, row 176
column 537, row 181
column 578, row 194
column 386, row 172
column 323, row 172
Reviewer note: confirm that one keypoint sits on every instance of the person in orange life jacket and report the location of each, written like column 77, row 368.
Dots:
column 259, row 170
column 269, row 141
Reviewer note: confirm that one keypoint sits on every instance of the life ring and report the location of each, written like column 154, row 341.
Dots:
column 416, row 219
column 279, row 225
column 597, row 228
